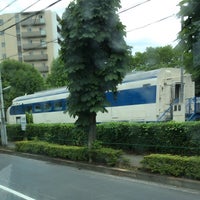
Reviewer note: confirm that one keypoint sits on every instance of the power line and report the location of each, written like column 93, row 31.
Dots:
column 155, row 22
column 34, row 14
column 127, row 9
column 51, row 41
column 8, row 5
column 21, row 12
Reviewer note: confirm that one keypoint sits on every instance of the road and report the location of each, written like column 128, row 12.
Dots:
column 29, row 179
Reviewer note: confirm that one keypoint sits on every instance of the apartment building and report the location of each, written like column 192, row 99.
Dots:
column 30, row 37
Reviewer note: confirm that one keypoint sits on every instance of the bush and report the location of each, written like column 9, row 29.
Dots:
column 56, row 133
column 53, row 150
column 171, row 137
column 166, row 164
column 105, row 156
column 108, row 156
column 14, row 132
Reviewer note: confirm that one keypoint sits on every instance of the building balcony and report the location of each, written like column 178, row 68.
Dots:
column 33, row 22
column 42, row 69
column 34, row 34
column 35, row 57
column 34, row 46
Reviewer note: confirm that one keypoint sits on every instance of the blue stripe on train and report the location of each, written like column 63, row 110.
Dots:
column 136, row 96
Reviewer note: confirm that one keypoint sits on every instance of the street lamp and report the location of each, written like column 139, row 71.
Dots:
column 4, row 139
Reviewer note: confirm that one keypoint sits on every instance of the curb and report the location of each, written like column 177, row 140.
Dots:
column 135, row 174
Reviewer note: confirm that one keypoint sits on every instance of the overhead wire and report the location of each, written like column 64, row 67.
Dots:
column 8, row 5
column 34, row 14
column 139, row 4
column 155, row 22
column 51, row 41
column 21, row 12
column 125, row 10
column 31, row 15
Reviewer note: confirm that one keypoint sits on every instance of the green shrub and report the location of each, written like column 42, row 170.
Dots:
column 166, row 164
column 14, row 132
column 53, row 150
column 171, row 137
column 57, row 133
column 106, row 156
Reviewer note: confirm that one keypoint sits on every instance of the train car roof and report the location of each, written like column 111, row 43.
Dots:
column 141, row 75
column 43, row 93
column 133, row 76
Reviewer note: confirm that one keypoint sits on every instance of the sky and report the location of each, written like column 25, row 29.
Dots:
column 149, row 23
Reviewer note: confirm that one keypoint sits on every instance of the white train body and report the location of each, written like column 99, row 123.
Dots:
column 142, row 97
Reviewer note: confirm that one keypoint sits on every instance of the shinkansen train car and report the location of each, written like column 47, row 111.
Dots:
column 156, row 95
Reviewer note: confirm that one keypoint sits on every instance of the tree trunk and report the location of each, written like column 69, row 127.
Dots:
column 92, row 130
column 91, row 134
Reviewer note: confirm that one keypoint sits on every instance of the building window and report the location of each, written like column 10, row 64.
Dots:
column 1, row 22
column 1, row 32
column 17, row 17
column 18, row 29
column 4, row 56
column 29, row 29
column 42, row 43
column 3, row 44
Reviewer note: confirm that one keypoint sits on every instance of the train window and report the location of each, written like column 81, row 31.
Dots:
column 28, row 108
column 37, row 108
column 47, row 106
column 58, row 105
column 177, row 90
column 146, row 85
column 17, row 110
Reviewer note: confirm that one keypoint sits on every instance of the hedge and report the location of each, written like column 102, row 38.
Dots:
column 175, row 165
column 14, row 132
column 171, row 137
column 105, row 156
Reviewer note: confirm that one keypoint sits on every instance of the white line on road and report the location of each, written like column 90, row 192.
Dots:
column 15, row 193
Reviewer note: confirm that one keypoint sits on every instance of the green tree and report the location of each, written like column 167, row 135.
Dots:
column 189, row 37
column 22, row 77
column 58, row 75
column 95, row 56
column 155, row 58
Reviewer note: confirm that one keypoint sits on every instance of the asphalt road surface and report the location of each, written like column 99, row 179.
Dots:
column 29, row 179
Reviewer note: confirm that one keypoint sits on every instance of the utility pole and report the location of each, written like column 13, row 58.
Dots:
column 182, row 86
column 182, row 69
column 4, row 139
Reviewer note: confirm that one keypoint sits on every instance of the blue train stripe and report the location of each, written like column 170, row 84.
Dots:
column 136, row 96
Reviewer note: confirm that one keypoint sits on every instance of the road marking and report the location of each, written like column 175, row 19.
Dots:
column 16, row 193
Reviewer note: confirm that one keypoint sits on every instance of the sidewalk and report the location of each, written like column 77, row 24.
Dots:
column 134, row 160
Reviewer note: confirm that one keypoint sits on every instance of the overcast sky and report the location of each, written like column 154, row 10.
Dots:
column 161, row 33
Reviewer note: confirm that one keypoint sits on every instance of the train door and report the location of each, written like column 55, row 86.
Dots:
column 179, row 105
column 18, row 120
column 164, row 99
column 177, row 92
